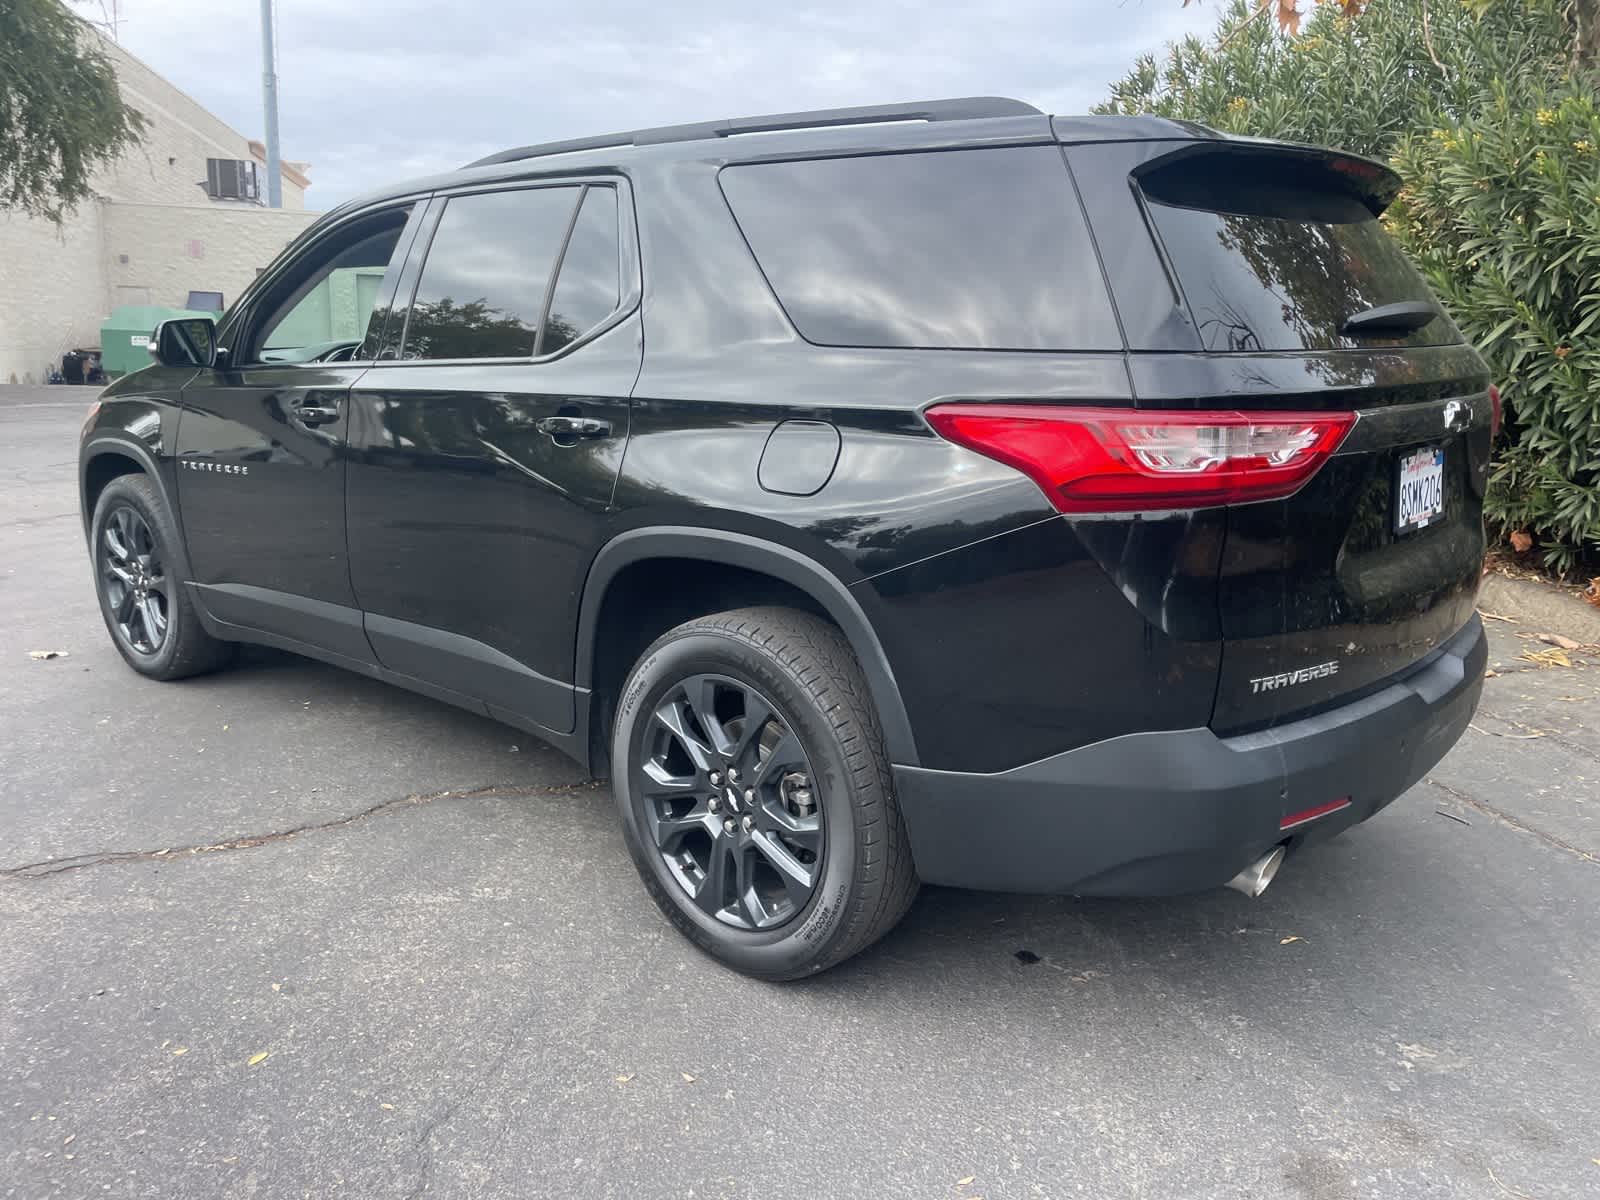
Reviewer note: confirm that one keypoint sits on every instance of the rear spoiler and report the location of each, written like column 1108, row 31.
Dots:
column 1235, row 174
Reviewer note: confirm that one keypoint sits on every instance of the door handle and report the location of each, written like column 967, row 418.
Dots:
column 574, row 427
column 315, row 414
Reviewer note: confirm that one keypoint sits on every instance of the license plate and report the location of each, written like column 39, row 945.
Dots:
column 1419, row 489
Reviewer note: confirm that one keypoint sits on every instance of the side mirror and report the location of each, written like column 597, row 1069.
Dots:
column 185, row 342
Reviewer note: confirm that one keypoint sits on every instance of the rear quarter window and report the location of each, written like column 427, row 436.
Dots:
column 973, row 249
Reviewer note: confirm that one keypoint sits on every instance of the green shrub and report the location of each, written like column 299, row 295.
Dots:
column 1496, row 132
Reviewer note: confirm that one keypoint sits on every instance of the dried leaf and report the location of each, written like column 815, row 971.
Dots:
column 624, row 1078
column 69, row 1139
column 1287, row 940
column 1521, row 541
column 966, row 1181
column 181, row 1050
column 1555, row 639
column 42, row 655
column 1554, row 657
column 387, row 1107
column 1490, row 673
column 687, row 1078
column 256, row 1059
column 1489, row 616
column 1289, row 17
column 1592, row 592
column 277, row 987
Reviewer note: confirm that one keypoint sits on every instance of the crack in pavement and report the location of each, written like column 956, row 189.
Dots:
column 60, row 866
column 1506, row 818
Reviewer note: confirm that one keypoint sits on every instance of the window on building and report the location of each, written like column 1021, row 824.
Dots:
column 487, row 271
column 973, row 249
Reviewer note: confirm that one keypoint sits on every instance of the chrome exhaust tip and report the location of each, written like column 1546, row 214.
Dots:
column 1256, row 878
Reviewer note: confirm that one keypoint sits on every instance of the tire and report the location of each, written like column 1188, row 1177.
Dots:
column 140, row 524
column 831, row 786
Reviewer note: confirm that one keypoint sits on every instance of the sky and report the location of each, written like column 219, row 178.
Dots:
column 373, row 91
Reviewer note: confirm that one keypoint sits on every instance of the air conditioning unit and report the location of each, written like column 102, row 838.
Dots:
column 233, row 179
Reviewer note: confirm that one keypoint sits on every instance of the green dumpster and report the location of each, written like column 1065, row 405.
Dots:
column 125, row 335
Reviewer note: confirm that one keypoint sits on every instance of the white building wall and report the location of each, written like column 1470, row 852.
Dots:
column 58, row 283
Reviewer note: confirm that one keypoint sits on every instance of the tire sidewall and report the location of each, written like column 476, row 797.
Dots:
column 124, row 492
column 803, row 943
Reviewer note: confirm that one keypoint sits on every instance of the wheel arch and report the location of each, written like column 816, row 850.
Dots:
column 808, row 579
column 109, row 457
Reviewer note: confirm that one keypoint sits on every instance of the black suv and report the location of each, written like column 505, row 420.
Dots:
column 939, row 492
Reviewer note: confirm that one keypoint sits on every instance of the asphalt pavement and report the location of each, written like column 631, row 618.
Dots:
column 285, row 932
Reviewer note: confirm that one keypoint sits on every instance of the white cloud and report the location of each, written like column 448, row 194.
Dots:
column 370, row 93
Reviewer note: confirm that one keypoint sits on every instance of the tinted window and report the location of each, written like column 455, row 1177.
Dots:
column 982, row 249
column 483, row 283
column 588, row 288
column 1276, row 256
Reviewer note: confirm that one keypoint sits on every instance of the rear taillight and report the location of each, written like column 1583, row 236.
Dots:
column 1127, row 460
column 1496, row 412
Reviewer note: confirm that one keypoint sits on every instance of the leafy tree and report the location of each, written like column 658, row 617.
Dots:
column 61, row 113
column 1487, row 109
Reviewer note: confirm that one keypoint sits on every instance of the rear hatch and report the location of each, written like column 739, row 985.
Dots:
column 1301, row 302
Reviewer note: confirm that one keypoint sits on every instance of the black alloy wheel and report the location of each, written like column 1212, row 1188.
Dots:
column 137, row 586
column 729, row 803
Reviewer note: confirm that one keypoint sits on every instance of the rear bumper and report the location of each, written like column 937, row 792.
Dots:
column 1184, row 810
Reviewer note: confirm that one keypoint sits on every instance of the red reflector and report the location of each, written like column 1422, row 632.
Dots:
column 1496, row 411
column 1311, row 814
column 1133, row 460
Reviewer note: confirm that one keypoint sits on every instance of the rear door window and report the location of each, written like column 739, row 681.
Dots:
column 1276, row 255
column 589, row 286
column 486, row 275
column 972, row 249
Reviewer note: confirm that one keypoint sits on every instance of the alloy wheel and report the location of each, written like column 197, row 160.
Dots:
column 137, row 588
column 729, row 804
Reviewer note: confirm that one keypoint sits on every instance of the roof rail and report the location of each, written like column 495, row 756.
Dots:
column 967, row 108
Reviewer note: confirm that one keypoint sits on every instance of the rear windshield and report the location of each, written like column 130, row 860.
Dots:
column 973, row 249
column 1275, row 258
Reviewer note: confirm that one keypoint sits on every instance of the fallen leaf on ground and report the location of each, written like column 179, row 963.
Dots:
column 180, row 1050
column 41, row 655
column 624, row 1078
column 1516, row 737
column 1555, row 639
column 1592, row 592
column 964, row 1182
column 1521, row 541
column 687, row 1078
column 1287, row 940
column 69, row 1139
column 387, row 1107
column 1554, row 657
column 1491, row 673
column 277, row 987
column 258, row 1058
column 1489, row 616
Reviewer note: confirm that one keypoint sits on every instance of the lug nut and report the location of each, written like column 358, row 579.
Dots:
column 716, row 778
column 733, row 774
column 729, row 825
column 713, row 805
column 749, row 795
column 749, row 824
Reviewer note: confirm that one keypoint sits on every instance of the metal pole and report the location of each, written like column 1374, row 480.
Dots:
column 269, row 101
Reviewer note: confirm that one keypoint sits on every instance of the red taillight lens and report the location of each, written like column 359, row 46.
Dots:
column 1129, row 460
column 1496, row 411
